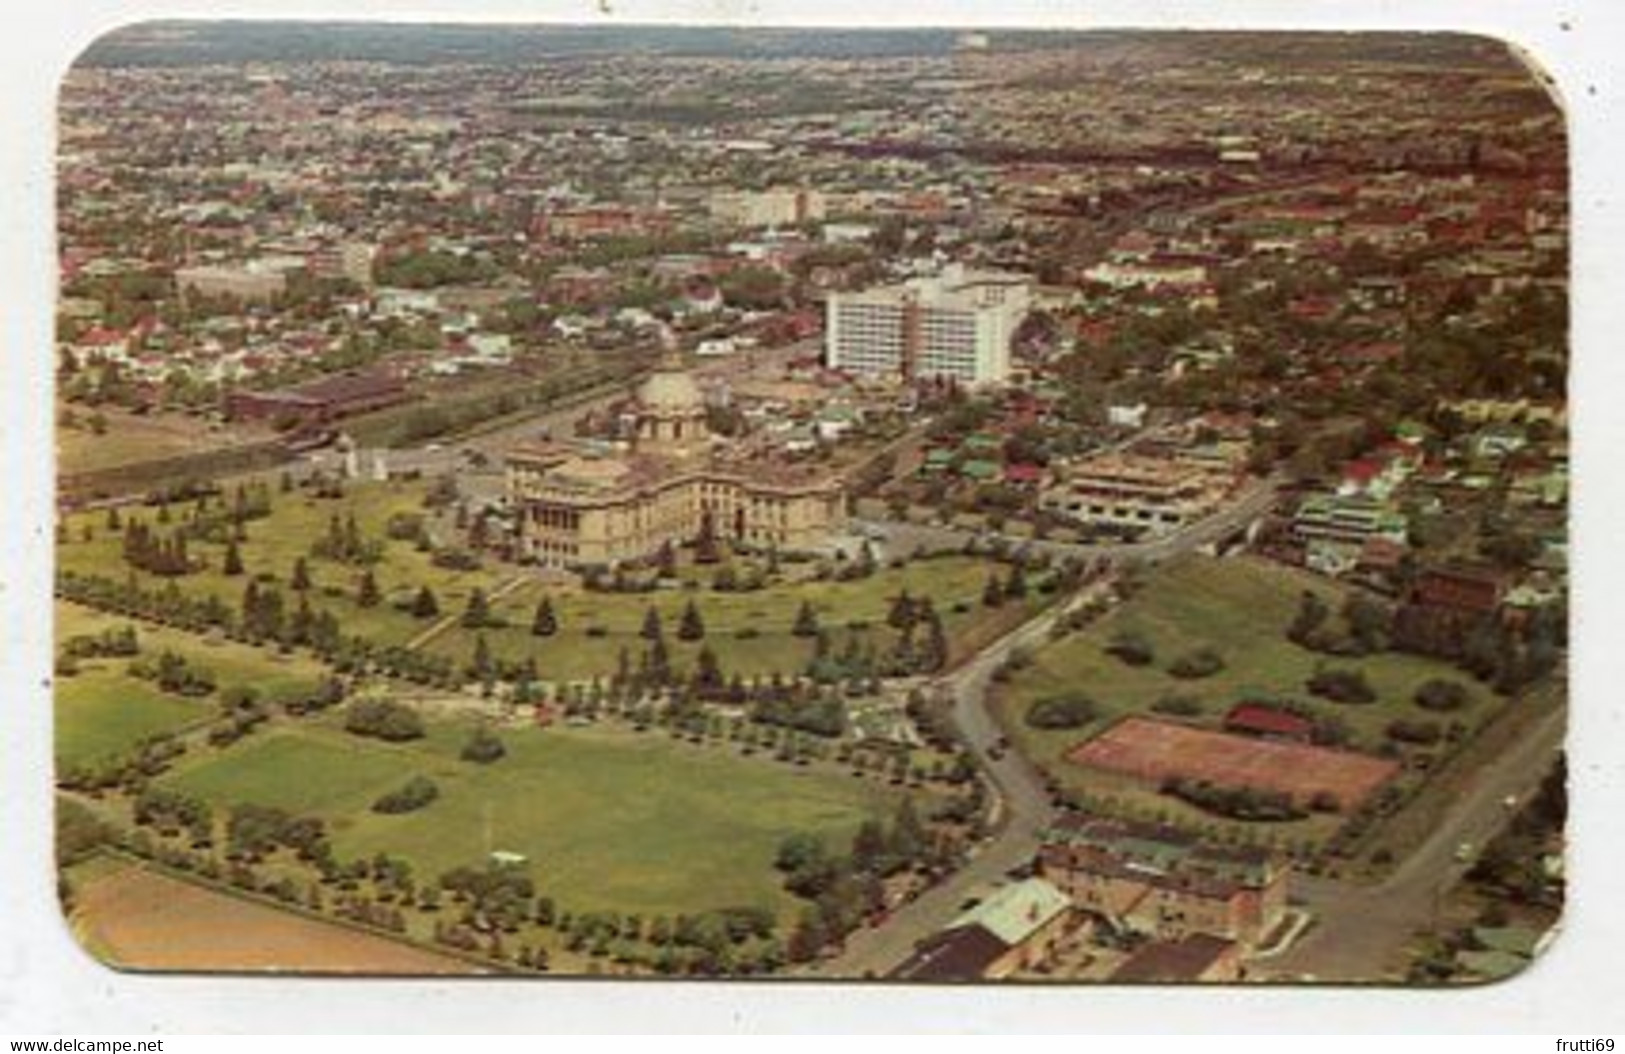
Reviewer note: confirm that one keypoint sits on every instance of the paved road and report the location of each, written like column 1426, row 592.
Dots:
column 1025, row 805
column 1254, row 499
column 1360, row 929
column 1025, row 812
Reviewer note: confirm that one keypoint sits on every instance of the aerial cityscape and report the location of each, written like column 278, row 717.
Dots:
column 922, row 506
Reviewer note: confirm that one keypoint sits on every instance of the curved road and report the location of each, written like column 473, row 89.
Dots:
column 1024, row 805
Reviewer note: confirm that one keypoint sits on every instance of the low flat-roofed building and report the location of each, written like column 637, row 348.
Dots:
column 327, row 399
column 1121, row 490
column 1350, row 519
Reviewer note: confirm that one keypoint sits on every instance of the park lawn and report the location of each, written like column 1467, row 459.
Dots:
column 102, row 714
column 766, row 616
column 274, row 544
column 608, row 818
column 331, row 775
column 1242, row 607
column 274, row 675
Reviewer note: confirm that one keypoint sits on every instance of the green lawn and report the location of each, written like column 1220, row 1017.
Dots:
column 1241, row 607
column 276, row 542
column 766, row 616
column 297, row 520
column 104, row 713
column 275, row 675
column 609, row 818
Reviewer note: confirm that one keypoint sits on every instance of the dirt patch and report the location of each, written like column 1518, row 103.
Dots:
column 139, row 919
column 1154, row 750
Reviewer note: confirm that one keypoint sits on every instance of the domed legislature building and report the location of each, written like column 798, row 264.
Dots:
column 580, row 505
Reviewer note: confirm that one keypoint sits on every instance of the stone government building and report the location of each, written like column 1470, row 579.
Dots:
column 582, row 505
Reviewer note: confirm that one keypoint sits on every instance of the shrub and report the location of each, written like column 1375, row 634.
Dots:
column 418, row 792
column 1132, row 647
column 1325, row 801
column 1203, row 662
column 1070, row 710
column 455, row 559
column 404, row 526
column 1178, row 706
column 1341, row 686
column 1420, row 733
column 1254, row 804
column 1440, row 695
column 483, row 747
column 383, row 719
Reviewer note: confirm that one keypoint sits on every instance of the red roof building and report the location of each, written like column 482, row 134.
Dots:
column 1472, row 590
column 1258, row 719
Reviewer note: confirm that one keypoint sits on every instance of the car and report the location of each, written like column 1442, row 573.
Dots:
column 1509, row 802
column 1464, row 852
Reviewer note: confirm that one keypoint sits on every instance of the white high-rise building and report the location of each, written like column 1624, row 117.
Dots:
column 958, row 324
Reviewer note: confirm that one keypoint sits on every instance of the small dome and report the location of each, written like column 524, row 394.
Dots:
column 671, row 390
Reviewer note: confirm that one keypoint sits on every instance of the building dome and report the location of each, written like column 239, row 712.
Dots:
column 671, row 391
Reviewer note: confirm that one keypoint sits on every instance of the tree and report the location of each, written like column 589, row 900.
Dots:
column 299, row 581
column 481, row 664
column 806, row 624
column 1067, row 710
column 233, row 562
column 367, row 594
column 1312, row 615
column 908, row 838
column 1132, row 647
column 424, row 604
column 666, row 560
column 901, row 616
column 808, row 938
column 869, row 847
column 383, row 719
column 993, row 591
column 651, row 630
column 933, row 656
column 706, row 549
column 545, row 624
column 708, row 679
column 691, row 627
column 478, row 613
column 483, row 747
column 1015, row 587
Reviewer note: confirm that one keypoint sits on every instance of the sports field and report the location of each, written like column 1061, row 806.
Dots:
column 135, row 918
column 1152, row 750
column 607, row 818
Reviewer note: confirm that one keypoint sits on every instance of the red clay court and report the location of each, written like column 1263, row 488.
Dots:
column 1152, row 750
